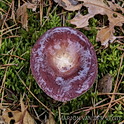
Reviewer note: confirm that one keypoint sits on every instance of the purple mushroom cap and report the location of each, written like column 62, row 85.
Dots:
column 64, row 63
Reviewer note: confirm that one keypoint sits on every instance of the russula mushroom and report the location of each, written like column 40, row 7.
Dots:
column 63, row 63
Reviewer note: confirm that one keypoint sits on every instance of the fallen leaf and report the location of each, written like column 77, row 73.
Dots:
column 27, row 119
column 22, row 13
column 50, row 120
column 4, row 118
column 105, row 84
column 94, row 7
column 105, row 35
column 115, row 6
column 70, row 5
column 99, row 7
column 16, row 115
column 80, row 20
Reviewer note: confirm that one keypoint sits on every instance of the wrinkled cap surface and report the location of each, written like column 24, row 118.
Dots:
column 63, row 63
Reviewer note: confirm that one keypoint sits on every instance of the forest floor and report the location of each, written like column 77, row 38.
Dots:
column 22, row 101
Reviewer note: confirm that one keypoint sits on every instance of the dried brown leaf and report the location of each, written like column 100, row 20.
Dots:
column 16, row 115
column 105, row 84
column 99, row 7
column 81, row 21
column 31, row 6
column 94, row 7
column 27, row 119
column 50, row 120
column 115, row 6
column 22, row 13
column 105, row 35
column 70, row 5
column 19, row 116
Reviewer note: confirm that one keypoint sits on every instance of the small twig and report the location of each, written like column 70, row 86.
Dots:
column 1, row 10
column 20, row 68
column 50, row 7
column 48, row 16
column 120, row 80
column 5, row 65
column 9, row 92
column 24, row 1
column 11, row 36
column 6, row 2
column 110, row 93
column 91, row 108
column 8, row 27
column 38, row 116
column 9, row 31
column 120, row 48
column 81, row 109
column 23, row 53
column 33, row 94
column 120, row 102
column 119, row 42
column 63, row 12
column 105, row 110
column 41, row 11
column 18, row 3
column 59, row 115
column 2, row 67
column 63, row 18
column 12, row 56
column 10, row 6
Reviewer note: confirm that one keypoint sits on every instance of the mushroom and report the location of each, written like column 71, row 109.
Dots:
column 63, row 63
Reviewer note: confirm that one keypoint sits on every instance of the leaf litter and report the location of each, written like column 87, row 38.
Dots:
column 70, row 5
column 105, row 84
column 108, row 32
column 20, row 117
column 23, row 15
column 95, row 7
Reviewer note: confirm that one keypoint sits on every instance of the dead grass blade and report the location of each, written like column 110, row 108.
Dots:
column 41, row 11
column 111, row 94
column 59, row 110
column 26, row 117
column 50, row 7
column 70, row 5
column 13, row 56
column 95, row 7
column 48, row 16
column 22, row 14
column 9, row 31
